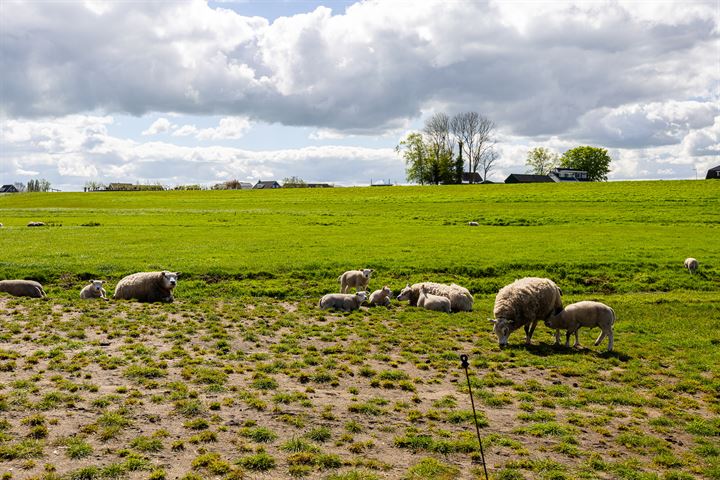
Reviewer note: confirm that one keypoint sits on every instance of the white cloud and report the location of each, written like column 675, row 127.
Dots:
column 161, row 125
column 229, row 128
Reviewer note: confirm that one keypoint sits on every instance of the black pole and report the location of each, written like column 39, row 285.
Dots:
column 465, row 364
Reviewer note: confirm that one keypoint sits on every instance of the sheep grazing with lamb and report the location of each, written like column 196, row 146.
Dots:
column 522, row 304
column 93, row 290
column 584, row 314
column 691, row 264
column 357, row 279
column 343, row 301
column 147, row 287
column 22, row 288
column 381, row 298
column 461, row 300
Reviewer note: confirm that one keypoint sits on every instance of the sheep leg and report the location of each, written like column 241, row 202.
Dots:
column 557, row 336
column 610, row 341
column 567, row 338
column 529, row 329
column 577, row 340
column 602, row 335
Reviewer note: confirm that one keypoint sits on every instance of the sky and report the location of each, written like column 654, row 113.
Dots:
column 198, row 92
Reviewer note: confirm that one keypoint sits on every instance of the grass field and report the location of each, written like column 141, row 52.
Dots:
column 244, row 377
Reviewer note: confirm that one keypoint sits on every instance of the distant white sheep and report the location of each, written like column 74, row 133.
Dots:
column 691, row 264
column 36, row 224
column 381, row 298
column 22, row 288
column 343, row 301
column 584, row 314
column 147, row 287
column 473, row 224
column 522, row 303
column 94, row 290
column 357, row 279
column 461, row 300
column 433, row 302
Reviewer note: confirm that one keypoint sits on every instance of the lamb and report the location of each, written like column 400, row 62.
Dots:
column 522, row 303
column 461, row 300
column 584, row 314
column 381, row 298
column 691, row 264
column 343, row 301
column 357, row 279
column 94, row 290
column 433, row 302
column 22, row 288
column 147, row 287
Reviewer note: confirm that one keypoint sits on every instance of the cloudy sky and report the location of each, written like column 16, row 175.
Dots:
column 200, row 92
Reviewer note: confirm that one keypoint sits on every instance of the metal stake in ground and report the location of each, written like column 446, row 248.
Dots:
column 465, row 365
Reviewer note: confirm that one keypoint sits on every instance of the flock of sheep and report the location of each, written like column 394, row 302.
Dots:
column 522, row 303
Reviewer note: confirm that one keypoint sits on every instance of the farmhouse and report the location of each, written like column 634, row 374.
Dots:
column 319, row 185
column 9, row 189
column 267, row 185
column 527, row 178
column 471, row 177
column 568, row 175
column 713, row 173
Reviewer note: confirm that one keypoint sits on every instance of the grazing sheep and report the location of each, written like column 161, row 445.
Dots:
column 343, row 301
column 147, row 287
column 1, row 225
column 94, row 290
column 473, row 224
column 522, row 304
column 357, row 279
column 381, row 298
column 461, row 300
column 691, row 264
column 36, row 224
column 433, row 302
column 22, row 288
column 584, row 314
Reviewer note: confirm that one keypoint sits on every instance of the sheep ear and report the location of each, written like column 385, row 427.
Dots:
column 492, row 320
column 162, row 273
column 177, row 274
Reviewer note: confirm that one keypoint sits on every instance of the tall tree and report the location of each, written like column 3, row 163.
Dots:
column 594, row 160
column 542, row 160
column 477, row 135
column 441, row 145
column 415, row 154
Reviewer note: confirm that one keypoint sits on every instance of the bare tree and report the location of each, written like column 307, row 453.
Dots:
column 439, row 136
column 476, row 134
column 487, row 161
column 19, row 186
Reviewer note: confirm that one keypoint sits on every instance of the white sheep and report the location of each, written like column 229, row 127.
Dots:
column 343, row 301
column 584, row 314
column 22, row 288
column 381, row 298
column 522, row 303
column 433, row 302
column 691, row 264
column 473, row 224
column 94, row 290
column 147, row 287
column 357, row 279
column 461, row 300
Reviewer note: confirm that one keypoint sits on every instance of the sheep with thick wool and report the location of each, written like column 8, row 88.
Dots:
column 357, row 279
column 461, row 300
column 584, row 314
column 343, row 301
column 433, row 302
column 147, row 287
column 22, row 288
column 522, row 304
column 691, row 264
column 93, row 290
column 380, row 298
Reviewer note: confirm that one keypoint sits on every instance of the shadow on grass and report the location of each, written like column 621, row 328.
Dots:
column 550, row 349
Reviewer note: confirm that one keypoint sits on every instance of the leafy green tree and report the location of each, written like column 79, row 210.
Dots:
column 542, row 160
column 414, row 152
column 594, row 160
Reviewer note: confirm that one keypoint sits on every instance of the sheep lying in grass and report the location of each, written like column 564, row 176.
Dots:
column 584, row 314
column 461, row 300
column 36, row 224
column 433, row 302
column 22, row 288
column 94, row 290
column 522, row 303
column 691, row 264
column 381, row 298
column 342, row 301
column 473, row 224
column 357, row 279
column 147, row 287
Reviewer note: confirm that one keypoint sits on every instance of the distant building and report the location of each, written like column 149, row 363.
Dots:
column 713, row 173
column 527, row 178
column 260, row 185
column 318, row 185
column 130, row 187
column 9, row 189
column 471, row 177
column 568, row 175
